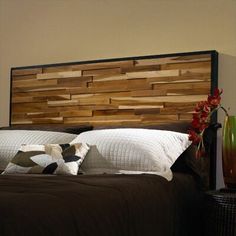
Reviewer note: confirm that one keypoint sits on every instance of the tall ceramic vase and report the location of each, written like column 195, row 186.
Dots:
column 229, row 151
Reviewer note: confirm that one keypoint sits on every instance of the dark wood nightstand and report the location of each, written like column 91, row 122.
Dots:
column 220, row 213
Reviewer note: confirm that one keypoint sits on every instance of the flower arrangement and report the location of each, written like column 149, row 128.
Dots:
column 202, row 118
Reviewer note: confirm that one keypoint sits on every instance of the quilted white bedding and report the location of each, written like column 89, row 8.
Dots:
column 132, row 151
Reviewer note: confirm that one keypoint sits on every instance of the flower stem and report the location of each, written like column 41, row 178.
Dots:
column 226, row 113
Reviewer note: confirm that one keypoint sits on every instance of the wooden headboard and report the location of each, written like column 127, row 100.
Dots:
column 126, row 91
column 135, row 91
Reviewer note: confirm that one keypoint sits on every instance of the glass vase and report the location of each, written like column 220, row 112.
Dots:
column 229, row 151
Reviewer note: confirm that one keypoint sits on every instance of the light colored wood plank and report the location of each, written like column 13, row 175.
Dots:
column 178, row 79
column 93, row 100
column 151, row 74
column 136, row 107
column 98, row 107
column 96, row 72
column 58, row 97
column 106, row 95
column 63, row 103
column 111, row 77
column 160, row 99
column 57, row 75
column 191, row 80
column 129, row 101
column 41, row 114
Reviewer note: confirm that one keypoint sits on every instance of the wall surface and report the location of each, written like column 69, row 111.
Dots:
column 50, row 31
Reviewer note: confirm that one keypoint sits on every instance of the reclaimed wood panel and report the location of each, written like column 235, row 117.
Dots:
column 143, row 91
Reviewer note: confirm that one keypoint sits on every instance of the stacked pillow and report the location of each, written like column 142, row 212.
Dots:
column 13, row 149
column 111, row 151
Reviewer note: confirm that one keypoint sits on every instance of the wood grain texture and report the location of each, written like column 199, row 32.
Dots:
column 56, row 75
column 30, row 71
column 123, row 92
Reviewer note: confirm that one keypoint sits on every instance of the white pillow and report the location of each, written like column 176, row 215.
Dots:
column 130, row 150
column 11, row 141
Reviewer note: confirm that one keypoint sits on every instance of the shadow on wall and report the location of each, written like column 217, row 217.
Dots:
column 227, row 81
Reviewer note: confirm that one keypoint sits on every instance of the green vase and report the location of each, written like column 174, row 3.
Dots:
column 229, row 151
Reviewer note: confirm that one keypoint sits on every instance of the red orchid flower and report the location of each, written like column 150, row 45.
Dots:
column 201, row 119
column 194, row 137
column 214, row 100
column 195, row 123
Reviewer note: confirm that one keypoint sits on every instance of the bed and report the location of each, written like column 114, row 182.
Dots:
column 113, row 106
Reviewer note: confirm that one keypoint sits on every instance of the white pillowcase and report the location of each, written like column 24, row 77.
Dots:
column 131, row 150
column 11, row 141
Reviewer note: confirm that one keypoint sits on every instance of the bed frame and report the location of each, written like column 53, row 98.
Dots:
column 146, row 90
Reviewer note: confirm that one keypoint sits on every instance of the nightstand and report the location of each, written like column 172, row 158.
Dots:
column 220, row 213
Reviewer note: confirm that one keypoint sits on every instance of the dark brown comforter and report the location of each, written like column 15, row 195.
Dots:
column 106, row 205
